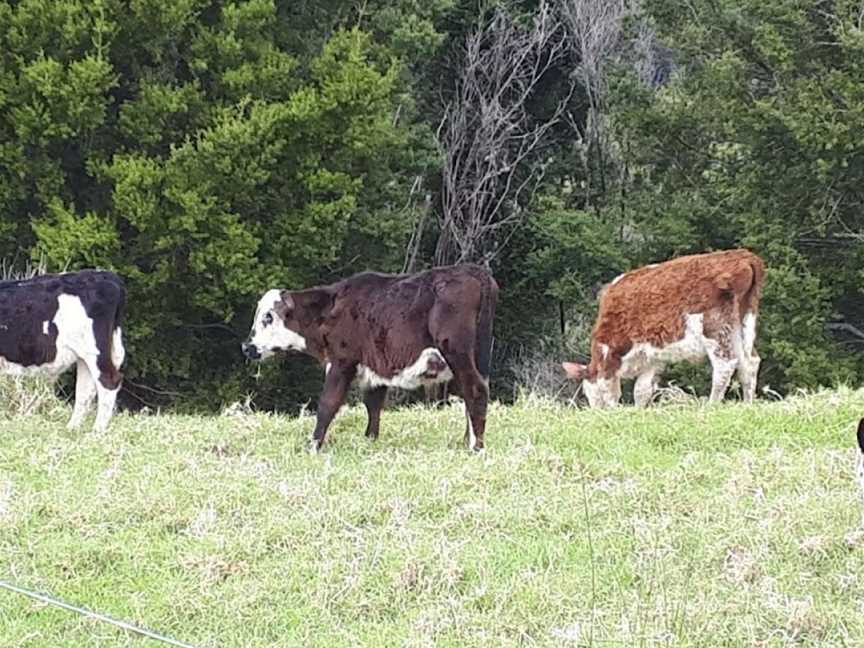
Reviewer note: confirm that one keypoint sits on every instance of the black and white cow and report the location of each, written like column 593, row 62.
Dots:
column 51, row 322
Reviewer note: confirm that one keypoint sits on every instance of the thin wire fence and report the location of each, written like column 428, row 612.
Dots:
column 50, row 600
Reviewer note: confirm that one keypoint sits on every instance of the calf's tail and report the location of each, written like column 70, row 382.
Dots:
column 751, row 299
column 118, row 352
column 488, row 301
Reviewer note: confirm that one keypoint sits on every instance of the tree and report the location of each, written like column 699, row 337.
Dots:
column 491, row 143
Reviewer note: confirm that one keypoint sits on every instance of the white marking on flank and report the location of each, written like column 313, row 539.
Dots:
column 74, row 340
column 410, row 377
column 645, row 357
column 692, row 346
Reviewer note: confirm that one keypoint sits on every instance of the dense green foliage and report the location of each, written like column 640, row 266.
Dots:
column 209, row 150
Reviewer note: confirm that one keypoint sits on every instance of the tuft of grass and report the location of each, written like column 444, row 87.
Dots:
column 684, row 524
column 27, row 396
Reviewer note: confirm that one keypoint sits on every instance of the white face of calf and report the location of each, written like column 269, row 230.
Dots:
column 600, row 392
column 270, row 330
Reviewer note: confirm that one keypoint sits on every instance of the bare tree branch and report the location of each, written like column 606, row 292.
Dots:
column 490, row 143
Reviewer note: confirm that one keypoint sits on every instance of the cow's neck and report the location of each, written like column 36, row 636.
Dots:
column 315, row 342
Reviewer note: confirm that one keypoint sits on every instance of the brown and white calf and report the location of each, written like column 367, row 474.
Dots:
column 683, row 309
column 384, row 331
column 51, row 322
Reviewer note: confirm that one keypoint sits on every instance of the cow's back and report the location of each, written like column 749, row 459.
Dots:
column 384, row 320
column 650, row 304
column 32, row 312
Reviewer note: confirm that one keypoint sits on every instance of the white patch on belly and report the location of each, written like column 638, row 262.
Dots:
column 74, row 340
column 411, row 377
column 46, row 327
column 692, row 347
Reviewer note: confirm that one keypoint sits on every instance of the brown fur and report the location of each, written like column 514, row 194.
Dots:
column 384, row 322
column 649, row 304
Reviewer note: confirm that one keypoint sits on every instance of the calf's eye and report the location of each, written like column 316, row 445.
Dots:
column 268, row 319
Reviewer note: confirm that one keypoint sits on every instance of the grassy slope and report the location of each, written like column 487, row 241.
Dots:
column 681, row 525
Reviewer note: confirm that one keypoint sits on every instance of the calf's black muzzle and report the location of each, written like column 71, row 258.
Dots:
column 250, row 351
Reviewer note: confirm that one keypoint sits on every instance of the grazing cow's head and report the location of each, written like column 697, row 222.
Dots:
column 275, row 327
column 600, row 392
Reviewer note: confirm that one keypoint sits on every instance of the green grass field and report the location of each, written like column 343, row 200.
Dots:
column 683, row 525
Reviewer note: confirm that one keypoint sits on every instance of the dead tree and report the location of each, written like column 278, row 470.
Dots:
column 594, row 33
column 598, row 40
column 491, row 144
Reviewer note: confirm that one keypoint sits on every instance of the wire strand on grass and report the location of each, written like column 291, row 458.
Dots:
column 44, row 598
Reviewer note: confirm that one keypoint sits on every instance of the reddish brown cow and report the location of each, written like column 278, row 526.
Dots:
column 683, row 309
column 386, row 331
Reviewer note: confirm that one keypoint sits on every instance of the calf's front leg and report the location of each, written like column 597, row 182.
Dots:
column 336, row 385
column 644, row 388
column 374, row 400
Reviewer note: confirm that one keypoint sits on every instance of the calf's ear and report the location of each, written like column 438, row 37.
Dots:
column 314, row 303
column 574, row 371
column 286, row 306
column 861, row 434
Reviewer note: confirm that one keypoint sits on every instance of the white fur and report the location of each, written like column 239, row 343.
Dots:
column 644, row 361
column 472, row 438
column 411, row 377
column 74, row 339
column 76, row 344
column 691, row 347
column 749, row 360
column 270, row 338
column 46, row 327
column 617, row 279
column 118, row 351
column 85, row 391
column 644, row 388
column 748, row 332
column 603, row 392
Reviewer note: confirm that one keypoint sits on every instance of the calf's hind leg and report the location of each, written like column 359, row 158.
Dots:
column 475, row 392
column 723, row 365
column 85, row 391
column 643, row 390
column 107, row 380
column 748, row 359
